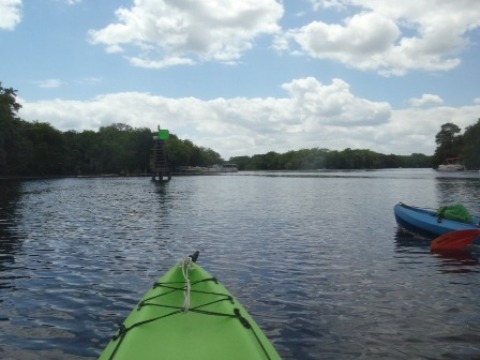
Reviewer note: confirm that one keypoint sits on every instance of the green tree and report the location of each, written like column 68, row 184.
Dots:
column 9, row 129
column 45, row 149
column 471, row 149
column 292, row 160
column 449, row 143
column 242, row 162
column 87, row 151
column 142, row 142
column 179, row 151
column 186, row 153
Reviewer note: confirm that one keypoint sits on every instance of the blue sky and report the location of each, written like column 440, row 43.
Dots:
column 252, row 76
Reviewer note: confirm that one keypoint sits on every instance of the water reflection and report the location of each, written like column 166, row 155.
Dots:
column 318, row 256
column 406, row 241
column 410, row 245
column 161, row 189
column 9, row 238
column 457, row 190
column 457, row 262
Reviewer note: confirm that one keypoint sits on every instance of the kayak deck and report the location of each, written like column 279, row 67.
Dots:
column 189, row 316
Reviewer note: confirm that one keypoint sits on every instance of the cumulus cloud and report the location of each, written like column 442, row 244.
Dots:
column 163, row 33
column 426, row 99
column 11, row 13
column 333, row 104
column 311, row 114
column 415, row 126
column 50, row 83
column 388, row 37
column 361, row 37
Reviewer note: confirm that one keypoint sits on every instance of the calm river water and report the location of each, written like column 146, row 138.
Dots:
column 316, row 257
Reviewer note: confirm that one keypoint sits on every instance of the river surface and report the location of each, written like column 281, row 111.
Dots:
column 316, row 257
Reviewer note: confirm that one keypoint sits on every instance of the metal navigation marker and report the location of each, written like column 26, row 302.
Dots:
column 159, row 158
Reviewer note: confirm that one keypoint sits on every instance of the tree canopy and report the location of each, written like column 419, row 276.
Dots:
column 9, row 126
column 316, row 158
column 449, row 143
column 471, row 146
column 452, row 144
column 38, row 149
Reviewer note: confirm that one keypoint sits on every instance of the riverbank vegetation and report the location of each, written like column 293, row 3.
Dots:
column 329, row 159
column 38, row 149
column 463, row 148
column 451, row 144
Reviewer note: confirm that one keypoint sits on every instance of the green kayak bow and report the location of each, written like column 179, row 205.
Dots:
column 186, row 315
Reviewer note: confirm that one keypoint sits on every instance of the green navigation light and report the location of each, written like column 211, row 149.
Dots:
column 163, row 134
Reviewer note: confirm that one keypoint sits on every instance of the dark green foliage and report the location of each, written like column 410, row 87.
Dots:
column 9, row 127
column 185, row 153
column 449, row 142
column 471, row 149
column 452, row 144
column 121, row 149
column 43, row 149
column 307, row 159
column 37, row 149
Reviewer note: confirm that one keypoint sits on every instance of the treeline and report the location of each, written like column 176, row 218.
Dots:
column 38, row 149
column 329, row 159
column 451, row 144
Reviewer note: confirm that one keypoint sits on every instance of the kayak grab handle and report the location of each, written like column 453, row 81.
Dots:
column 194, row 256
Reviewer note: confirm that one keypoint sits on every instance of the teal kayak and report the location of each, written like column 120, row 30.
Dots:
column 186, row 315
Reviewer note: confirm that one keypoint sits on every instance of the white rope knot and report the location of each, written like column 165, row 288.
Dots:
column 187, row 264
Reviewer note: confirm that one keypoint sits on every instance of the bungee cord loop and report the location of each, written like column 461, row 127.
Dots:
column 187, row 265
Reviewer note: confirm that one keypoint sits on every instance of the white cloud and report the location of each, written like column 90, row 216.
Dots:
column 359, row 41
column 409, row 128
column 333, row 104
column 426, row 99
column 11, row 13
column 50, row 83
column 92, row 80
column 159, row 64
column 164, row 33
column 69, row 2
column 391, row 38
column 311, row 115
column 318, row 4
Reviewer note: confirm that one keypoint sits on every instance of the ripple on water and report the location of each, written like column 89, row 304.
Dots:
column 316, row 259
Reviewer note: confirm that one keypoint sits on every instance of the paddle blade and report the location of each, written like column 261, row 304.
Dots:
column 455, row 240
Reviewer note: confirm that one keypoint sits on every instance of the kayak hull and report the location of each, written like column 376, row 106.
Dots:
column 215, row 325
column 426, row 221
